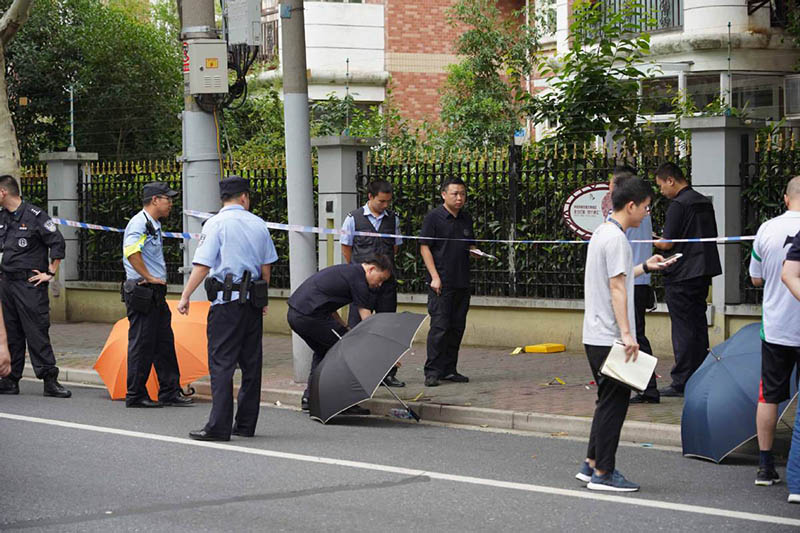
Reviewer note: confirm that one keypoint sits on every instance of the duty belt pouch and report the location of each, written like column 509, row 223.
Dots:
column 259, row 293
column 212, row 288
column 138, row 297
column 243, row 286
column 227, row 288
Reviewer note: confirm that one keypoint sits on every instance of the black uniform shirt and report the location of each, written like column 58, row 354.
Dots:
column 332, row 288
column 691, row 215
column 26, row 236
column 794, row 252
column 450, row 257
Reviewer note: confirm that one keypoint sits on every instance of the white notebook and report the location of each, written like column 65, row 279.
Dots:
column 635, row 374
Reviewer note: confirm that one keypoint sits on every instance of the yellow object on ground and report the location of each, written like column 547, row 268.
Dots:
column 547, row 347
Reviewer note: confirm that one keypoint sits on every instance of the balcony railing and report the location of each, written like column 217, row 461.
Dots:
column 656, row 15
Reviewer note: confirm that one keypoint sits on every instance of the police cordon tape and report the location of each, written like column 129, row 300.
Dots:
column 329, row 231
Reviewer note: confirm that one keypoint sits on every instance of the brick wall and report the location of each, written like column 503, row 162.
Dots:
column 419, row 45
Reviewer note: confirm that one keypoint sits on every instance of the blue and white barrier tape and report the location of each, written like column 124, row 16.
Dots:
column 327, row 231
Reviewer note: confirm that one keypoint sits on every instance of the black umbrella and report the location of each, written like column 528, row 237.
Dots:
column 354, row 367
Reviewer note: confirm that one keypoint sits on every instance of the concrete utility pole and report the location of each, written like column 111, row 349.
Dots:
column 201, row 167
column 299, row 182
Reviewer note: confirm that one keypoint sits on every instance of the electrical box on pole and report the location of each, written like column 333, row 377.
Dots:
column 244, row 22
column 206, row 61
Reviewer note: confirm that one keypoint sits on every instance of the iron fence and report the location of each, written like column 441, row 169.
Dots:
column 764, row 179
column 110, row 194
column 33, row 185
column 516, row 197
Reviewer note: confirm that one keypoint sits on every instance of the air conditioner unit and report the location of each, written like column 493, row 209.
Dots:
column 791, row 100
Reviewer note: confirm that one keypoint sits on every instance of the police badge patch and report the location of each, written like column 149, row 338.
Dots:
column 50, row 225
column 22, row 243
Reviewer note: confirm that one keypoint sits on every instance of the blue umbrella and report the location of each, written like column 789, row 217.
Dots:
column 720, row 399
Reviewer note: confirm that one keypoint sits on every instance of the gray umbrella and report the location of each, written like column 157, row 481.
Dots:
column 354, row 367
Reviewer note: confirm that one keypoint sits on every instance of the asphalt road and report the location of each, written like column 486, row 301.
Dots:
column 89, row 464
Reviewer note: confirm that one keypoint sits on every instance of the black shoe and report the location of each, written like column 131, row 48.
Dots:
column 304, row 404
column 392, row 381
column 177, row 401
column 356, row 410
column 241, row 432
column 671, row 392
column 8, row 386
column 641, row 398
column 53, row 388
column 767, row 476
column 431, row 381
column 455, row 377
column 202, row 434
column 146, row 403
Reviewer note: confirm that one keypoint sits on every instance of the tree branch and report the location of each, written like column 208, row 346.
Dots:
column 15, row 17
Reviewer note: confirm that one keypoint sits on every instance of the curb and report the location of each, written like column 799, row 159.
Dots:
column 563, row 425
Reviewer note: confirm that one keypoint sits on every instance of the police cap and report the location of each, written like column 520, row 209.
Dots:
column 157, row 188
column 233, row 185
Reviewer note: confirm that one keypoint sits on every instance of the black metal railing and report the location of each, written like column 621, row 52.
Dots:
column 777, row 160
column 653, row 15
column 110, row 194
column 520, row 205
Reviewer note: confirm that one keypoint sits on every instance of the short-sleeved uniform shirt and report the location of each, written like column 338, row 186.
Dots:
column 143, row 235
column 780, row 308
column 27, row 237
column 608, row 256
column 232, row 241
column 451, row 257
column 330, row 289
column 349, row 226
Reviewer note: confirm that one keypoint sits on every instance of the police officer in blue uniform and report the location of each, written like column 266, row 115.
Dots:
column 27, row 235
column 374, row 216
column 150, row 338
column 236, row 253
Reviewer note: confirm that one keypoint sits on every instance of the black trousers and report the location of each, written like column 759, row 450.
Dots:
column 318, row 332
column 642, row 299
column 234, row 338
column 26, row 311
column 609, row 412
column 151, row 343
column 686, row 301
column 448, row 313
column 385, row 302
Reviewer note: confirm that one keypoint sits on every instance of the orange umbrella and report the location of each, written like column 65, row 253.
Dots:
column 190, row 348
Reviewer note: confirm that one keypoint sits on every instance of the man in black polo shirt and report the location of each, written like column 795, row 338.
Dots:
column 447, row 264
column 690, row 215
column 313, row 307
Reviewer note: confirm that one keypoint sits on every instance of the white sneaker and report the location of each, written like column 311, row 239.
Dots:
column 793, row 498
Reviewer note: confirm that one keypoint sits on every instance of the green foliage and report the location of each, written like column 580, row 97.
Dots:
column 594, row 85
column 484, row 97
column 342, row 116
column 254, row 132
column 125, row 71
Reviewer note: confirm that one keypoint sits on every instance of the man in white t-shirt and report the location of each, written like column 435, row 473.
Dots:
column 609, row 317
column 780, row 334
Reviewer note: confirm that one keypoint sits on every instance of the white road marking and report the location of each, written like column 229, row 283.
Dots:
column 526, row 487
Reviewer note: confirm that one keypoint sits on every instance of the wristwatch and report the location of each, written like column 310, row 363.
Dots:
column 51, row 274
column 645, row 268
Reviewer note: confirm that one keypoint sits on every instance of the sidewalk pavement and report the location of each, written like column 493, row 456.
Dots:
column 511, row 392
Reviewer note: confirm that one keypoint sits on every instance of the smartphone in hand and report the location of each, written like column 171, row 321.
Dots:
column 669, row 260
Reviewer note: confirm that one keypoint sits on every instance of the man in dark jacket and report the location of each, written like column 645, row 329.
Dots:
column 690, row 215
